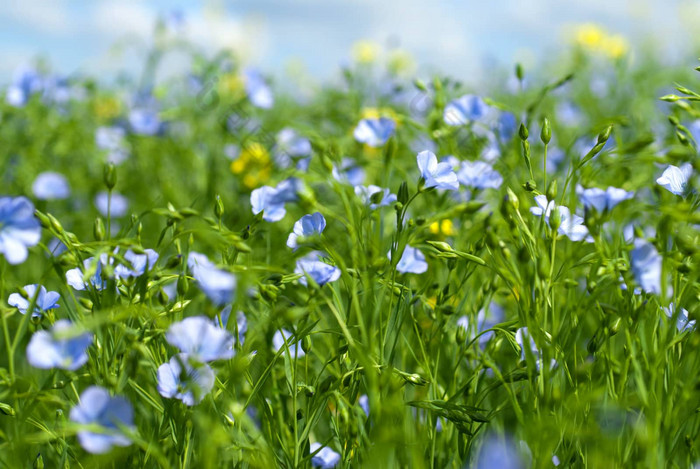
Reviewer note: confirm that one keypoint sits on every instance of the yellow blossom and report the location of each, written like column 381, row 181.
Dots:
column 365, row 52
column 254, row 164
column 444, row 227
column 107, row 107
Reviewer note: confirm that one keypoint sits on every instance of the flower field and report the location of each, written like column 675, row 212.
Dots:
column 228, row 270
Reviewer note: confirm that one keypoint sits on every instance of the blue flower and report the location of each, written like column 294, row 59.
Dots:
column 112, row 140
column 479, row 175
column 602, row 200
column 259, row 93
column 271, row 200
column 97, row 407
column 278, row 343
column 49, row 185
column 26, row 82
column 349, row 172
column 45, row 300
column 76, row 277
column 367, row 195
column 464, row 109
column 314, row 267
column 498, row 453
column 646, row 266
column 144, row 121
column 62, row 347
column 363, row 401
column 219, row 285
column 571, row 225
column 439, row 175
column 185, row 379
column 374, row 132
column 19, row 228
column 199, row 338
column 675, row 180
column 683, row 323
column 241, row 322
column 308, row 225
column 291, row 146
column 412, row 261
column 484, row 321
column 140, row 263
column 506, row 126
column 326, row 458
column 117, row 207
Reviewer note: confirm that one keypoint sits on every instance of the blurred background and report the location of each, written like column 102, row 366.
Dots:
column 458, row 37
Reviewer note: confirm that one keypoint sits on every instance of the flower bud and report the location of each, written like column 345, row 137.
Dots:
column 98, row 229
column 522, row 132
column 546, row 133
column 182, row 285
column 519, row 72
column 306, row 344
column 530, row 185
column 555, row 219
column 218, row 207
column 605, row 134
column 512, row 199
column 402, row 195
column 552, row 190
column 110, row 176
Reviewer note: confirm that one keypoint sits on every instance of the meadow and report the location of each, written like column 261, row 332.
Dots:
column 228, row 270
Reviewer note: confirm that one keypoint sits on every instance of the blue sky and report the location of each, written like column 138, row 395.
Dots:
column 106, row 36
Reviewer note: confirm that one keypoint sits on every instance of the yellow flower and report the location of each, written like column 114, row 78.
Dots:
column 400, row 61
column 107, row 107
column 615, row 46
column 365, row 52
column 589, row 36
column 444, row 227
column 594, row 39
column 254, row 164
column 230, row 84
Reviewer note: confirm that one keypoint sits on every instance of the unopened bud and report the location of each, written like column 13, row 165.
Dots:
column 110, row 176
column 218, row 207
column 98, row 229
column 552, row 190
column 546, row 133
column 555, row 219
column 522, row 132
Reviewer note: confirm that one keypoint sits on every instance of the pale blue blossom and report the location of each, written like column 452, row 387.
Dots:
column 26, row 81
column 278, row 343
column 363, row 401
column 63, row 346
column 45, row 300
column 308, row 225
column 271, row 200
column 374, row 132
column 683, row 322
column 367, row 195
column 479, row 175
column 349, row 172
column 675, row 180
column 292, row 147
column 49, row 186
column 602, row 200
column 198, row 337
column 571, row 224
column 506, row 126
column 76, row 277
column 117, row 207
column 19, row 228
column 438, row 175
column 145, row 121
column 185, row 379
column 326, row 458
column 113, row 141
column 412, row 261
column 464, row 109
column 140, row 263
column 241, row 322
column 217, row 284
column 97, row 407
column 314, row 267
column 646, row 266
column 498, row 453
column 258, row 91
